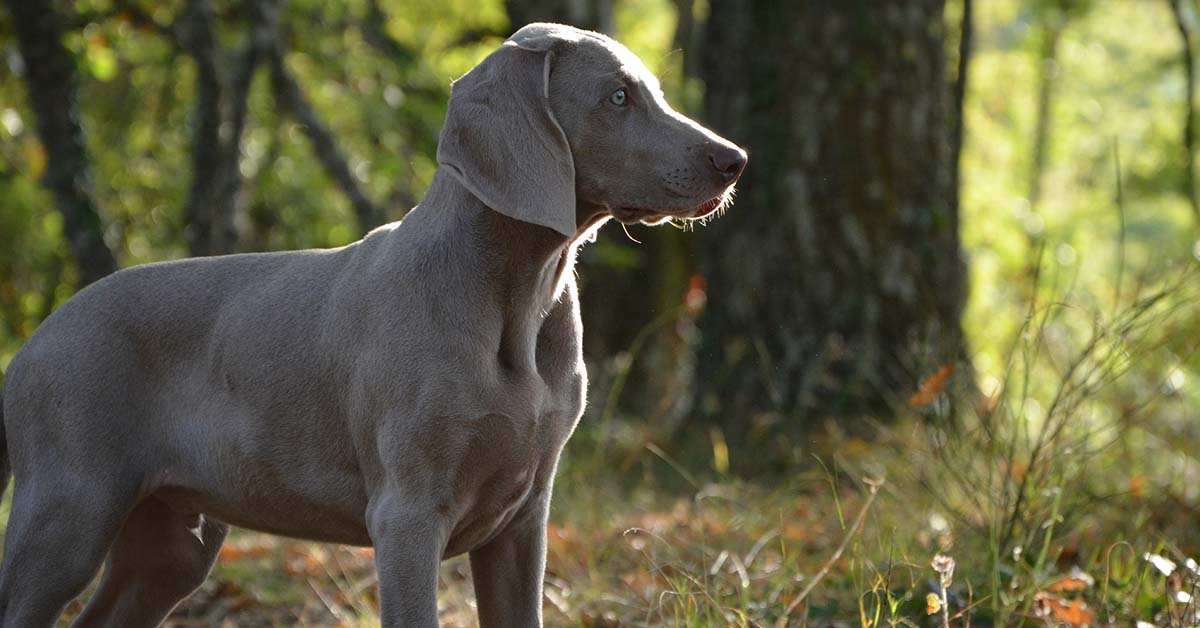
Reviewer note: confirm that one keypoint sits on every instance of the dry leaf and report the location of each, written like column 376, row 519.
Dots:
column 793, row 532
column 1074, row 613
column 1075, row 580
column 932, row 386
column 1137, row 485
column 233, row 552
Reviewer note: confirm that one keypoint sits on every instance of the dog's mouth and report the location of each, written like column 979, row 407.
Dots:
column 718, row 203
column 712, row 206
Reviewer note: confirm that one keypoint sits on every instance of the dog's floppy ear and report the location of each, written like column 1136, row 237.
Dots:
column 501, row 139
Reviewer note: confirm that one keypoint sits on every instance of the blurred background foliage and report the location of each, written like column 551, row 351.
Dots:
column 1039, row 383
column 227, row 127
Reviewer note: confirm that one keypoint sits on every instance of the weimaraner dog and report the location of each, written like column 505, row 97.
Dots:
column 411, row 391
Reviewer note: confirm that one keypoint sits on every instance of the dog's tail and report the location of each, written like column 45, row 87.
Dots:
column 5, row 469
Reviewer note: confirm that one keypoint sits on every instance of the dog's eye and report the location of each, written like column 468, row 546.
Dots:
column 618, row 98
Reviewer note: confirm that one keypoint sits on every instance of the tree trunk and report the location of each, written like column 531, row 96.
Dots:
column 1052, row 30
column 966, row 35
column 51, row 81
column 200, row 209
column 590, row 14
column 836, row 281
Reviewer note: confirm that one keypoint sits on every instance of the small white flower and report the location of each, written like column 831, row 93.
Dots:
column 1165, row 565
column 944, row 566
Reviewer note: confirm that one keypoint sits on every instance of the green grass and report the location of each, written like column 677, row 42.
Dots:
column 634, row 549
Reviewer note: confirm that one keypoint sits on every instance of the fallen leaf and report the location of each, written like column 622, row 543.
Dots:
column 1074, row 613
column 793, row 532
column 233, row 552
column 932, row 386
column 1137, row 485
column 1076, row 580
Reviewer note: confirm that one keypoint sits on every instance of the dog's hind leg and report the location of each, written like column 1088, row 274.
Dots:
column 156, row 561
column 58, row 534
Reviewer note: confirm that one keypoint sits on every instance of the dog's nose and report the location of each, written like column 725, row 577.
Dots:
column 729, row 161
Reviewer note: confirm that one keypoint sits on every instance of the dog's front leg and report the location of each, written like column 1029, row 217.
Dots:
column 409, row 542
column 508, row 572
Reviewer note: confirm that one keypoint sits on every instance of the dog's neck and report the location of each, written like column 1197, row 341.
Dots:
column 521, row 268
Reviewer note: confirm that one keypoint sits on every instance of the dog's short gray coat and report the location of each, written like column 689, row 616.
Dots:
column 411, row 391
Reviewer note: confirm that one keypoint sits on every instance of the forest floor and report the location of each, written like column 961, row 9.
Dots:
column 849, row 539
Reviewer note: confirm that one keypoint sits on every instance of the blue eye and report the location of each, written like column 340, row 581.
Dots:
column 618, row 98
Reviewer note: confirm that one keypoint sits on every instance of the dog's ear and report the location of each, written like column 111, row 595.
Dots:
column 501, row 139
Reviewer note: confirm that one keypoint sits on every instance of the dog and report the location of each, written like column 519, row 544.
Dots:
column 411, row 391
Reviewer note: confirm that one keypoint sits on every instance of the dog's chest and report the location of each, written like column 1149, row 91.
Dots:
column 515, row 443
column 508, row 465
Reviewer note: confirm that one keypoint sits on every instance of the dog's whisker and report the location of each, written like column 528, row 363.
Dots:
column 625, row 228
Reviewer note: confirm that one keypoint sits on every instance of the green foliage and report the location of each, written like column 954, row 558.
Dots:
column 1082, row 318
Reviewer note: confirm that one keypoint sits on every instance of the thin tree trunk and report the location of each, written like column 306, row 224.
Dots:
column 197, row 38
column 1189, row 134
column 590, row 14
column 221, row 102
column 966, row 35
column 262, row 16
column 51, row 81
column 687, row 36
column 1047, row 76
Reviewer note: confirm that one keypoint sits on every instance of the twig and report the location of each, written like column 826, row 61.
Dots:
column 289, row 95
column 873, row 486
column 674, row 464
column 1119, row 200
column 262, row 16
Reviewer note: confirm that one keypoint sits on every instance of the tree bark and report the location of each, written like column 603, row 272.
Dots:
column 222, row 102
column 590, row 14
column 837, row 279
column 197, row 38
column 52, row 84
column 262, row 16
column 686, row 40
column 965, row 40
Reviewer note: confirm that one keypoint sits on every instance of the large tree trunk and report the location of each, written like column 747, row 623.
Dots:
column 51, row 82
column 590, row 14
column 836, row 281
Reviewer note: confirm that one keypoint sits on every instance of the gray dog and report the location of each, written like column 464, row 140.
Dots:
column 411, row 391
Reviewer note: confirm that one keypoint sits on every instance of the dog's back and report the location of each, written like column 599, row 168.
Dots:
column 133, row 374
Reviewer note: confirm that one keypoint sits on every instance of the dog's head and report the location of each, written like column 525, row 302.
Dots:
column 558, row 119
